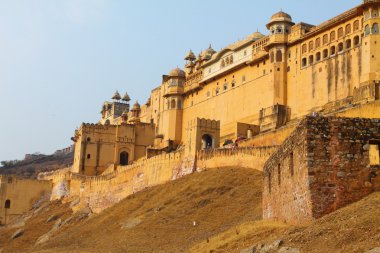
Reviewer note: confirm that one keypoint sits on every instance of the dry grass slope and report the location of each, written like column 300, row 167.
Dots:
column 225, row 205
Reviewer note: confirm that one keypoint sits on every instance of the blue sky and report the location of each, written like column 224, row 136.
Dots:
column 59, row 60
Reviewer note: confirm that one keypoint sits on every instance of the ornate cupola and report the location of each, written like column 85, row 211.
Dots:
column 190, row 56
column 135, row 113
column 124, row 117
column 280, row 23
column 116, row 96
column 126, row 97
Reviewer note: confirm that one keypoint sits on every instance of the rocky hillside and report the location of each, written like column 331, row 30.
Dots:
column 213, row 211
column 29, row 168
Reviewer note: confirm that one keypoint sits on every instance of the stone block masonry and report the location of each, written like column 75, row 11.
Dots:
column 325, row 164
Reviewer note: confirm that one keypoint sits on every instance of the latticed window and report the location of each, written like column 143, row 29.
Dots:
column 348, row 29
column 325, row 39
column 311, row 45
column 317, row 42
column 304, row 48
column 375, row 28
column 340, row 32
column 332, row 36
column 356, row 25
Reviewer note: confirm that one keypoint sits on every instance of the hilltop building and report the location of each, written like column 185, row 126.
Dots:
column 255, row 85
column 241, row 106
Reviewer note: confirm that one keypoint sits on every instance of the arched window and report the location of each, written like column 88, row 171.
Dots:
column 311, row 45
column 172, row 104
column 332, row 50
column 179, row 104
column 348, row 29
column 124, row 158
column 367, row 30
column 375, row 28
column 348, row 44
column 7, row 204
column 88, row 139
column 304, row 48
column 88, row 156
column 325, row 53
column 278, row 56
column 340, row 47
column 356, row 25
column 233, row 83
column 304, row 62
column 318, row 56
column 225, row 86
column 311, row 59
column 207, row 141
column 272, row 57
column 325, row 39
column 279, row 29
column 340, row 32
column 107, row 122
column 317, row 42
column 374, row 14
column 332, row 36
column 356, row 41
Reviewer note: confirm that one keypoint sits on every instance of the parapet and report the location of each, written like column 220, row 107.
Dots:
column 208, row 123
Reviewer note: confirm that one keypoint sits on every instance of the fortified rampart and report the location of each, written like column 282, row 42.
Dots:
column 325, row 164
column 18, row 195
column 100, row 192
column 246, row 157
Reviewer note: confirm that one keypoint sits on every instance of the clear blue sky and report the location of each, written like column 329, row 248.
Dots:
column 59, row 60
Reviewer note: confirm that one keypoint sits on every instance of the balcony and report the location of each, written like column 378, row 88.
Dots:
column 174, row 90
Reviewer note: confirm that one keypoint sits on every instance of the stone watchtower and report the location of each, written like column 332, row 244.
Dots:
column 111, row 111
column 173, row 106
column 279, row 28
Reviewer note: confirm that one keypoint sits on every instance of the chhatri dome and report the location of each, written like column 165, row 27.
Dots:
column 126, row 97
column 136, row 106
column 280, row 17
column 177, row 72
column 256, row 36
column 190, row 56
column 116, row 96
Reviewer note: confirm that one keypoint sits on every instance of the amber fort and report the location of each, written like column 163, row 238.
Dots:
column 300, row 102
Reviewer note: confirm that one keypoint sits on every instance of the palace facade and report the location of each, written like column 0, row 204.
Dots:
column 255, row 85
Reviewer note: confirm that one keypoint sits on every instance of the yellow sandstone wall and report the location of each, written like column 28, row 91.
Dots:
column 103, row 191
column 21, row 194
column 249, row 157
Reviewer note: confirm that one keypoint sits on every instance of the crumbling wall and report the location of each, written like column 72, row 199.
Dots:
column 286, row 194
column 331, row 161
column 338, row 160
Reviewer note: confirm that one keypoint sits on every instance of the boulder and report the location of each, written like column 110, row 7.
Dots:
column 52, row 218
column 17, row 234
column 288, row 250
column 375, row 250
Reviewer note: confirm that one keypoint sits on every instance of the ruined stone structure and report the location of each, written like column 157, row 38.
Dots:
column 325, row 164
